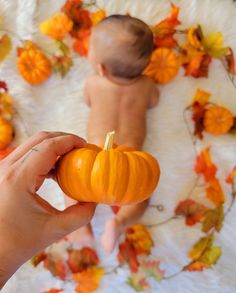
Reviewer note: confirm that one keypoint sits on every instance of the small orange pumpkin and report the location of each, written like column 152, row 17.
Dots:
column 218, row 120
column 33, row 64
column 164, row 65
column 6, row 133
column 4, row 153
column 110, row 175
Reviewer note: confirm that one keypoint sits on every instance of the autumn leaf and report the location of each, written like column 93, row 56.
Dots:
column 213, row 219
column 88, row 280
column 61, row 64
column 57, row 27
column 37, row 259
column 231, row 177
column 80, row 17
column 140, row 238
column 138, row 283
column 214, row 192
column 200, row 247
column 5, row 47
column 53, row 291
column 165, row 30
column 81, row 44
column 213, row 44
column 127, row 254
column 195, row 62
column 191, row 210
column 56, row 267
column 3, row 86
column 198, row 114
column 204, row 165
column 82, row 259
column 98, row 16
column 152, row 269
column 203, row 254
column 201, row 97
column 230, row 62
column 62, row 48
column 6, row 106
column 195, row 36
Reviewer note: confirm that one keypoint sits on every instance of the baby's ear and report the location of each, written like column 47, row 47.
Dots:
column 102, row 70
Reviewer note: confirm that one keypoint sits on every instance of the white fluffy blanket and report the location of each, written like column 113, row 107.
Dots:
column 57, row 105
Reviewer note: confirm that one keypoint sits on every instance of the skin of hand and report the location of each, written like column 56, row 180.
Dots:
column 28, row 223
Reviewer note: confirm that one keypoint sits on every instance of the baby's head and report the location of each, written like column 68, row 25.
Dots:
column 121, row 47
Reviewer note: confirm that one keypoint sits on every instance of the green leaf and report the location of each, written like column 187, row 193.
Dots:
column 213, row 219
column 152, row 269
column 138, row 283
column 62, row 47
column 62, row 65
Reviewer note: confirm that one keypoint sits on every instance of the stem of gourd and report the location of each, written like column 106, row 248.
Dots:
column 109, row 141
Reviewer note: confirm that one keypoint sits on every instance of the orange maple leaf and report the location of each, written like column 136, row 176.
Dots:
column 231, row 177
column 140, row 238
column 55, row 267
column 88, row 280
column 214, row 192
column 127, row 254
column 192, row 210
column 81, row 44
column 165, row 30
column 80, row 260
column 204, row 165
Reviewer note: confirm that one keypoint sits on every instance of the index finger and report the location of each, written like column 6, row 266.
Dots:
column 41, row 159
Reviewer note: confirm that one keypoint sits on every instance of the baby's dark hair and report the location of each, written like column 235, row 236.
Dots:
column 136, row 50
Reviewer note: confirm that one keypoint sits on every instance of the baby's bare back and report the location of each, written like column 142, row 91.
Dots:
column 118, row 107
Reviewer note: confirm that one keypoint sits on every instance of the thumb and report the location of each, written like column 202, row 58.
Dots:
column 73, row 217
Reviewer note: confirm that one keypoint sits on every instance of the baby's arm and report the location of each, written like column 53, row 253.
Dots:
column 154, row 98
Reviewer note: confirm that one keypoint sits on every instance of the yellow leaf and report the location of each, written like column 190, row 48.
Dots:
column 98, row 16
column 210, row 256
column 202, row 97
column 202, row 245
column 5, row 47
column 213, row 45
column 88, row 280
column 57, row 26
column 6, row 106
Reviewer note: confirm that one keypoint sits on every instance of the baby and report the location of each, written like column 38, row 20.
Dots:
column 119, row 96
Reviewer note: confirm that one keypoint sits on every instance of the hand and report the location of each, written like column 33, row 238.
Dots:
column 28, row 223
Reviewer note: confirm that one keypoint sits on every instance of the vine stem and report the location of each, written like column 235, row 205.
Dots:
column 163, row 222
column 231, row 77
column 233, row 193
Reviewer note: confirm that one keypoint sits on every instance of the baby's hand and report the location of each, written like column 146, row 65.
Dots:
column 28, row 224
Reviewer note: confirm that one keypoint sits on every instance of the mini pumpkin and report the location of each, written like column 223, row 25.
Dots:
column 218, row 120
column 164, row 65
column 6, row 133
column 112, row 175
column 33, row 64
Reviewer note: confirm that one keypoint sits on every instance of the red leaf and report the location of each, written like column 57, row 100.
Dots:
column 56, row 267
column 198, row 113
column 204, row 165
column 3, row 86
column 127, row 254
column 192, row 211
column 230, row 62
column 80, row 260
column 37, row 259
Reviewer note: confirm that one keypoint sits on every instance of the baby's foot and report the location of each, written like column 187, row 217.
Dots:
column 113, row 229
column 82, row 236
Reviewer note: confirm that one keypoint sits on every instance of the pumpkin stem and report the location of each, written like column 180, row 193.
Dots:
column 109, row 141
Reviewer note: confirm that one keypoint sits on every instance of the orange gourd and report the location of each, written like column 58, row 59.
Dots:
column 6, row 133
column 33, row 64
column 112, row 175
column 218, row 120
column 164, row 65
